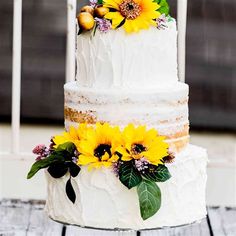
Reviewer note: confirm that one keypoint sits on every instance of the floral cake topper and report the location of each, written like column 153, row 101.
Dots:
column 136, row 155
column 132, row 15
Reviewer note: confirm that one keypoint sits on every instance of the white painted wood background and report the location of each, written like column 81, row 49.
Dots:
column 15, row 162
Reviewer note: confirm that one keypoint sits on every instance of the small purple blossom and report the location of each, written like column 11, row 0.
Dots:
column 116, row 167
column 42, row 151
column 104, row 25
column 38, row 158
column 162, row 22
column 141, row 164
column 75, row 159
column 93, row 3
column 76, row 153
column 39, row 149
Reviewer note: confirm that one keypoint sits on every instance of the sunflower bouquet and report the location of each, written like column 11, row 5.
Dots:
column 137, row 156
column 132, row 15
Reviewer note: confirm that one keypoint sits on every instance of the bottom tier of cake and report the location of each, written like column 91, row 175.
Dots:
column 103, row 202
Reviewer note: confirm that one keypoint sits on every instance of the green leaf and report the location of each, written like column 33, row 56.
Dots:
column 68, row 146
column 74, row 169
column 70, row 192
column 100, row 1
column 44, row 163
column 128, row 175
column 158, row 173
column 149, row 198
column 164, row 7
column 57, row 169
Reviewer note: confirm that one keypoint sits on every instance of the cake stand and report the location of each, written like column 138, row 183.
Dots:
column 72, row 229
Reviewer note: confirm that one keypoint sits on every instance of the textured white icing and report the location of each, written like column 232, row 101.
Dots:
column 146, row 59
column 103, row 202
column 165, row 109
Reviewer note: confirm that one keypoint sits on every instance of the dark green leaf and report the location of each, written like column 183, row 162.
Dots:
column 80, row 31
column 74, row 169
column 44, row 163
column 149, row 198
column 100, row 1
column 70, row 191
column 94, row 29
column 158, row 173
column 128, row 175
column 164, row 9
column 121, row 23
column 57, row 169
column 68, row 146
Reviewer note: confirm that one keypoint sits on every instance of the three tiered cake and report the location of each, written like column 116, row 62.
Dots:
column 125, row 160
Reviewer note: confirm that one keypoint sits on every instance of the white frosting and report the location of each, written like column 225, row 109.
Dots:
column 103, row 202
column 165, row 109
column 146, row 59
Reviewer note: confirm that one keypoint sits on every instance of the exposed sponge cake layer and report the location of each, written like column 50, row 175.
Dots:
column 165, row 109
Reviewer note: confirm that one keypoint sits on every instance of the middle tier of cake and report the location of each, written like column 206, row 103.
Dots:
column 165, row 109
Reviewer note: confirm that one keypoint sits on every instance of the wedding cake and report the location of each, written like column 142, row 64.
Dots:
column 125, row 160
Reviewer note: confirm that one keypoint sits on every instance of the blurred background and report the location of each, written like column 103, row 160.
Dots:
column 210, row 72
column 211, row 61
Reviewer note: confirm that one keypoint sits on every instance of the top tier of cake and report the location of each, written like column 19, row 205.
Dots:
column 142, row 60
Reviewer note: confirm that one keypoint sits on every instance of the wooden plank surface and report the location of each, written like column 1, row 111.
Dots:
column 29, row 219
column 26, row 218
column 14, row 217
column 40, row 224
column 222, row 221
column 196, row 229
column 76, row 231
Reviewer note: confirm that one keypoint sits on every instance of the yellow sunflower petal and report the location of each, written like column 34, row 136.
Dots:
column 85, row 160
column 95, row 165
column 115, row 17
column 128, row 26
column 112, row 3
column 85, row 147
column 106, row 163
column 148, row 5
column 105, row 157
column 145, row 19
column 114, row 158
column 67, row 136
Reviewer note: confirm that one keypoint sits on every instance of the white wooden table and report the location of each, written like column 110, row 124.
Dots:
column 28, row 218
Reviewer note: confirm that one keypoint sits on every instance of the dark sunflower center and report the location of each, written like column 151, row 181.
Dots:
column 137, row 149
column 101, row 150
column 130, row 6
column 130, row 9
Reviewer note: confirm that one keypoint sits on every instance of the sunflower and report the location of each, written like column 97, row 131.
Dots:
column 139, row 143
column 98, row 146
column 72, row 135
column 134, row 14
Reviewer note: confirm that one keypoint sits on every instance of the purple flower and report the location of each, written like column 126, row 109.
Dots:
column 93, row 3
column 39, row 149
column 162, row 22
column 115, row 167
column 75, row 159
column 38, row 158
column 141, row 164
column 104, row 25
column 42, row 151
